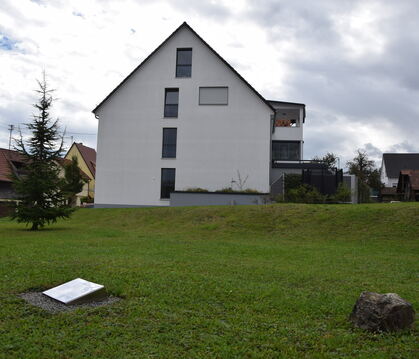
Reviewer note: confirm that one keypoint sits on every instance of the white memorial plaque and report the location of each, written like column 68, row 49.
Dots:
column 75, row 291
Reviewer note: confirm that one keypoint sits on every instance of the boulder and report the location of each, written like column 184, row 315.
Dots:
column 382, row 312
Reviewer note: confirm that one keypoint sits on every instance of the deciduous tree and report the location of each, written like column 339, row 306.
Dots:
column 368, row 176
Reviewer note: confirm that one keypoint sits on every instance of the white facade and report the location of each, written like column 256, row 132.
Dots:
column 387, row 181
column 214, row 142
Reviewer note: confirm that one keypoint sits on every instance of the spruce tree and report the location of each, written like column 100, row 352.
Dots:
column 40, row 189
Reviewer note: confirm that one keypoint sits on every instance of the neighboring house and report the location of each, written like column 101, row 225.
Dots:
column 86, row 157
column 391, row 165
column 184, row 118
column 408, row 185
column 12, row 162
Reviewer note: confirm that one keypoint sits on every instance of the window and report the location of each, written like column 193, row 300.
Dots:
column 169, row 142
column 167, row 182
column 171, row 101
column 285, row 150
column 213, row 95
column 183, row 62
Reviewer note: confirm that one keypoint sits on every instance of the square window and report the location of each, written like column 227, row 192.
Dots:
column 285, row 150
column 213, row 95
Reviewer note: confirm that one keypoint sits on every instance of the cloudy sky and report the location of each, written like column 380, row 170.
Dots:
column 355, row 64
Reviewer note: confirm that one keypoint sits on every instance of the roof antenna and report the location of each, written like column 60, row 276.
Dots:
column 11, row 128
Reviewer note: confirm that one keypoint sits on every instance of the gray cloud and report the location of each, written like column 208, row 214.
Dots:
column 356, row 90
column 379, row 88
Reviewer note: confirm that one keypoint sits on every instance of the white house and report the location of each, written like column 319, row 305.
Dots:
column 393, row 163
column 184, row 118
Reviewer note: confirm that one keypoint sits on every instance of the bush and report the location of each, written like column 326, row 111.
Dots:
column 304, row 194
column 225, row 190
column 86, row 199
column 343, row 194
column 292, row 181
column 196, row 189
column 250, row 190
column 231, row 190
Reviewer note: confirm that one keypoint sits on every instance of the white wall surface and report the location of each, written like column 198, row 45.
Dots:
column 213, row 142
column 388, row 181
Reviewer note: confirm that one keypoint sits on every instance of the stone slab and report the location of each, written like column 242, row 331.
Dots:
column 76, row 291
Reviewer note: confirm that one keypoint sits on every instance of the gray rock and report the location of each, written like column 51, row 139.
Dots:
column 382, row 312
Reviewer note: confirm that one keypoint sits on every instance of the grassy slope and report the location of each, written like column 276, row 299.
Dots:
column 225, row 282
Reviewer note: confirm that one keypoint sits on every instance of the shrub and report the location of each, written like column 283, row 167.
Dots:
column 292, row 181
column 250, row 190
column 231, row 190
column 343, row 194
column 196, row 189
column 304, row 194
column 86, row 199
column 226, row 190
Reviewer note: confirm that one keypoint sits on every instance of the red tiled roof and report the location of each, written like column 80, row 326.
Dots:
column 6, row 157
column 89, row 156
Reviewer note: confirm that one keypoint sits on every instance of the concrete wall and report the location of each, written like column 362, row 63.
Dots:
column 213, row 142
column 215, row 199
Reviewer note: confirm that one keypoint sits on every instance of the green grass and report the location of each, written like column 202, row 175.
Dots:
column 274, row 281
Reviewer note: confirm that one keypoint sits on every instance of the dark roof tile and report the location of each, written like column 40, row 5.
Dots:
column 395, row 162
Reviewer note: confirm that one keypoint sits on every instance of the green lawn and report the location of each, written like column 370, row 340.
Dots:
column 275, row 281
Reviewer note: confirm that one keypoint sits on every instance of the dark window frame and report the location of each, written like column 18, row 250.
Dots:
column 170, row 107
column 167, row 148
column 212, row 104
column 178, row 65
column 288, row 150
column 166, row 187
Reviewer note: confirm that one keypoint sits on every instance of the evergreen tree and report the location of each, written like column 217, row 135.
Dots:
column 73, row 180
column 41, row 198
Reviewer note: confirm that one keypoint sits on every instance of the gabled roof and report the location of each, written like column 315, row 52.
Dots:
column 6, row 159
column 396, row 162
column 9, row 158
column 89, row 156
column 185, row 25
